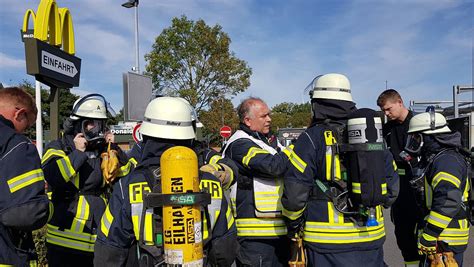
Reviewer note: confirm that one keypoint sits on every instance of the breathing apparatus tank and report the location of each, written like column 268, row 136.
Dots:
column 182, row 231
column 366, row 163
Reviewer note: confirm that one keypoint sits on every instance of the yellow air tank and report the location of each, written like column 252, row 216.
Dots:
column 181, row 224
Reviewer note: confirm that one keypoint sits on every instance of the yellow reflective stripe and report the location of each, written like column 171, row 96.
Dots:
column 82, row 215
column 356, row 188
column 339, row 228
column 75, row 180
column 384, row 189
column 148, row 234
column 73, row 244
column 253, row 151
column 333, row 215
column 106, row 221
column 288, row 150
column 260, row 227
column 465, row 194
column 214, row 159
column 23, row 180
column 438, row 219
column 444, row 176
column 52, row 152
column 125, row 169
column 293, row 215
column 33, row 263
column 51, row 209
column 328, row 163
column 133, row 161
column 296, row 161
column 375, row 233
column 229, row 217
column 205, row 233
column 136, row 210
column 67, row 238
column 395, row 168
column 453, row 232
column 66, row 169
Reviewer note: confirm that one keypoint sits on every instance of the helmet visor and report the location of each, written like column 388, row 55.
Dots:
column 414, row 143
column 93, row 129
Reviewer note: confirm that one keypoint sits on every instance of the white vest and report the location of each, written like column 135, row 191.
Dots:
column 267, row 192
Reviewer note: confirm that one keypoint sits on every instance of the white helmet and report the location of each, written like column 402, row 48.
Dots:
column 331, row 86
column 428, row 123
column 194, row 116
column 168, row 118
column 90, row 106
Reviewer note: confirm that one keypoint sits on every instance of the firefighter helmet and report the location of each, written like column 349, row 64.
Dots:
column 168, row 118
column 428, row 123
column 331, row 86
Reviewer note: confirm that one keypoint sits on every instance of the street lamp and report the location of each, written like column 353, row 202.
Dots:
column 130, row 4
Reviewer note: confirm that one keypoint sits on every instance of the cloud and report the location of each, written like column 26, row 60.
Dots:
column 7, row 62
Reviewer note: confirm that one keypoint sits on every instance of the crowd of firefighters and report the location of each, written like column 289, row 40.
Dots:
column 266, row 205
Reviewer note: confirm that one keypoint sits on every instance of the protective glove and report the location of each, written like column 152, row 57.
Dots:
column 294, row 228
column 109, row 165
column 436, row 260
column 426, row 244
column 223, row 172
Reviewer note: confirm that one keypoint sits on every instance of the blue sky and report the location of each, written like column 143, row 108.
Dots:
column 421, row 47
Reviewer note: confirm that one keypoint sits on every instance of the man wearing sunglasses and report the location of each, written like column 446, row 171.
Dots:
column 23, row 202
column 445, row 230
column 72, row 168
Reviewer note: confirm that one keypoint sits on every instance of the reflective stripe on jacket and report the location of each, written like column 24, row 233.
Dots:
column 256, row 197
column 326, row 229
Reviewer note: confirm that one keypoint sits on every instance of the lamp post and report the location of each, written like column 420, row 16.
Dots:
column 130, row 4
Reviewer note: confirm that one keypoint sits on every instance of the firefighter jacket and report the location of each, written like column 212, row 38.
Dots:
column 446, row 196
column 78, row 193
column 256, row 196
column 24, row 205
column 326, row 230
column 120, row 225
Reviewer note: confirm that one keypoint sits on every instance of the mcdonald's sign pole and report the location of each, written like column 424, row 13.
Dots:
column 49, row 53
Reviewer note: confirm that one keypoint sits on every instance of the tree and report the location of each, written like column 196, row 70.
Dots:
column 221, row 112
column 286, row 115
column 192, row 60
column 65, row 105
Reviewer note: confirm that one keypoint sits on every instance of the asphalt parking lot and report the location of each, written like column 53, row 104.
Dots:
column 393, row 257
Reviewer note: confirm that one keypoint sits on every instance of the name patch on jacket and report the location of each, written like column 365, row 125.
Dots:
column 211, row 187
column 137, row 190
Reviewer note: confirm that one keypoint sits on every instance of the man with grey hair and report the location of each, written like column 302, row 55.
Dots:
column 256, row 197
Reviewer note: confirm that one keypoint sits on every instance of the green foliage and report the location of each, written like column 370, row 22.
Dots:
column 39, row 238
column 66, row 101
column 192, row 60
column 286, row 115
column 221, row 112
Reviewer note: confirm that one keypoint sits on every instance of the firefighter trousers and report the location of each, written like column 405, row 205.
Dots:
column 264, row 252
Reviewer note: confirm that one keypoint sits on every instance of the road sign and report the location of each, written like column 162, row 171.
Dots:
column 225, row 131
column 137, row 136
column 51, row 65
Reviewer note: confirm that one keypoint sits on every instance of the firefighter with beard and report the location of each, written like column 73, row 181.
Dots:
column 128, row 229
column 72, row 168
column 443, row 186
column 317, row 179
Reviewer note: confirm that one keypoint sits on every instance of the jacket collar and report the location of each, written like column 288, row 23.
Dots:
column 254, row 134
column 152, row 152
column 7, row 122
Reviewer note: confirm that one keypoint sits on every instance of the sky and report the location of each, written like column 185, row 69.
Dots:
column 422, row 48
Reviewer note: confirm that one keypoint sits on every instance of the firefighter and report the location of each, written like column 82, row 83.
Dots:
column 23, row 201
column 72, row 168
column 404, row 214
column 167, row 124
column 256, row 197
column 314, row 182
column 444, row 171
